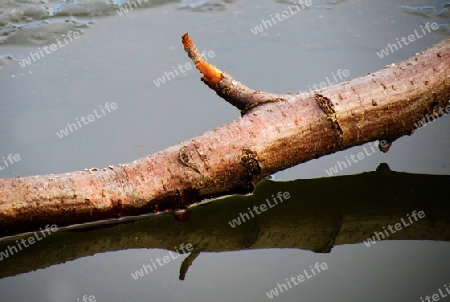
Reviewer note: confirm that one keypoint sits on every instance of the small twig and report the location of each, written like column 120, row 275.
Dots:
column 234, row 92
column 211, row 73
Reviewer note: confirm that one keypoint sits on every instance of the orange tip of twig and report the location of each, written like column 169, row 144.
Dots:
column 210, row 72
column 186, row 40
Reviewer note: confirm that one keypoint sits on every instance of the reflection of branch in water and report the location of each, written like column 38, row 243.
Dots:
column 320, row 214
column 187, row 263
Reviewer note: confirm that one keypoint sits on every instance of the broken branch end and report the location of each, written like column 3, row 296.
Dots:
column 211, row 74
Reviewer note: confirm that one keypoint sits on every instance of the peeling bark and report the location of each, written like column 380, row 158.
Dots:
column 276, row 132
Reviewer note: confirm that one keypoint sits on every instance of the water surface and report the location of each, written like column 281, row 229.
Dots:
column 117, row 59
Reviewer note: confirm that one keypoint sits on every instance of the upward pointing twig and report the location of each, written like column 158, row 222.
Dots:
column 234, row 92
column 211, row 73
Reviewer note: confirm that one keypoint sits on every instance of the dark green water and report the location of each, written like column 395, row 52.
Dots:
column 118, row 59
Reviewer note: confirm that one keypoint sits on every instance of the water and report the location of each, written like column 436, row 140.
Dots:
column 116, row 59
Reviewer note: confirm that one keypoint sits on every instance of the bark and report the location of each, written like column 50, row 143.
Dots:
column 350, row 210
column 275, row 132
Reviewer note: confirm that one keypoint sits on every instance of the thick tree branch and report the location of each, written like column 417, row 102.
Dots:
column 276, row 132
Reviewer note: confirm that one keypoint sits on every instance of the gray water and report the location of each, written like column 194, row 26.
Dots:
column 118, row 59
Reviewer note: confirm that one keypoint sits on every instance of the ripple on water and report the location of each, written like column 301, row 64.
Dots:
column 205, row 5
column 429, row 11
column 31, row 22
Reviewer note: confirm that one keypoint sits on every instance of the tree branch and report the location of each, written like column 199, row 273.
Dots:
column 275, row 133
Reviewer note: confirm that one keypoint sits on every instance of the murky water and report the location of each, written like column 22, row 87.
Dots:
column 105, row 55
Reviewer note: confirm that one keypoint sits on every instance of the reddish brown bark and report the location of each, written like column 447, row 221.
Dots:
column 276, row 132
